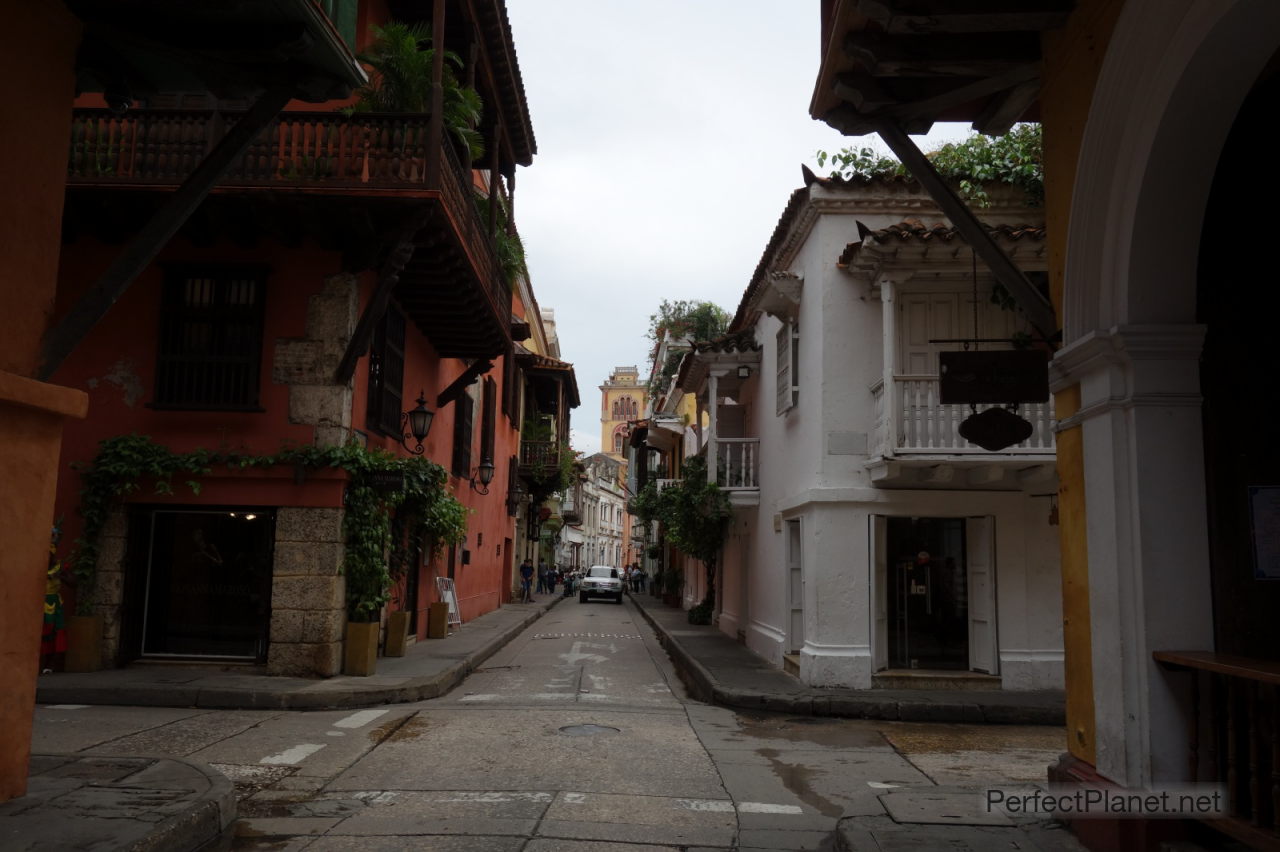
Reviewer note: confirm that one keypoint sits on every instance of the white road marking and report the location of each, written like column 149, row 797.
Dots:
column 880, row 785
column 374, row 797
column 496, row 797
column 334, row 734
column 293, row 756
column 575, row 798
column 764, row 808
column 577, row 655
column 360, row 719
column 706, row 805
column 66, row 706
column 483, row 696
column 720, row 806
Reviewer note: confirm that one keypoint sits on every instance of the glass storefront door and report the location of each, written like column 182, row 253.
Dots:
column 208, row 584
column 928, row 613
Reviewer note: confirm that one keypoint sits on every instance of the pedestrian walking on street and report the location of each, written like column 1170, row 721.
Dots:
column 526, row 581
column 552, row 576
column 542, row 577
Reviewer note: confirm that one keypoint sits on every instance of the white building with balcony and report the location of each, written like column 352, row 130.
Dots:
column 872, row 546
column 598, row 526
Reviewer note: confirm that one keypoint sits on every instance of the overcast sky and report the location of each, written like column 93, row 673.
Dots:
column 670, row 134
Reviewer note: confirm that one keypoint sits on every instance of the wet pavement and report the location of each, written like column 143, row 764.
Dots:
column 576, row 732
column 720, row 670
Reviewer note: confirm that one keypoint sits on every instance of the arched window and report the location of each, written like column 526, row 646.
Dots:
column 615, row 409
column 617, row 443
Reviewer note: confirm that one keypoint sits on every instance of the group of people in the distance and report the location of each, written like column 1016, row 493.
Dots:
column 548, row 577
column 634, row 578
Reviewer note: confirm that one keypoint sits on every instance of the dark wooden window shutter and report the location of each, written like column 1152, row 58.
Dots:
column 209, row 352
column 463, row 433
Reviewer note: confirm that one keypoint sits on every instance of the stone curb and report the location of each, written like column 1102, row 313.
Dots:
column 704, row 686
column 265, row 698
column 205, row 821
column 209, row 824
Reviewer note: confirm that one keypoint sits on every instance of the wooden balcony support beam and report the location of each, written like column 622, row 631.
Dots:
column 388, row 277
column 155, row 235
column 460, row 384
column 435, row 126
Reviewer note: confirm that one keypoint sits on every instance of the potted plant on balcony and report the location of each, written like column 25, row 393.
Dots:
column 401, row 59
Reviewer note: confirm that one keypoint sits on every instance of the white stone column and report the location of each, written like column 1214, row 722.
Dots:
column 889, row 348
column 713, row 432
column 1148, row 545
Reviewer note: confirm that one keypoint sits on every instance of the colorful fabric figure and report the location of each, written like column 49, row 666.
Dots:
column 53, row 634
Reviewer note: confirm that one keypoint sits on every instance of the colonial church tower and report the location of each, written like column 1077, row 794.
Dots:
column 622, row 398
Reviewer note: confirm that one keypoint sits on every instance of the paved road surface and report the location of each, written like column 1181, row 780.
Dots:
column 576, row 736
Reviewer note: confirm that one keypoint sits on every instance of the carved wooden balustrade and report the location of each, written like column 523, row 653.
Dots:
column 920, row 423
column 324, row 152
column 1233, row 738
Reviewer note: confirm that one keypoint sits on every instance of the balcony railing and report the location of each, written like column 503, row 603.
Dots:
column 737, row 463
column 303, row 151
column 919, row 423
column 1233, row 738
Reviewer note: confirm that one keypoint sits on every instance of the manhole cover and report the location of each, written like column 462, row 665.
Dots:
column 587, row 730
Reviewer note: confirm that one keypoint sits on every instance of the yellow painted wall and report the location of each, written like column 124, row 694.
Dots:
column 1072, row 60
column 608, row 422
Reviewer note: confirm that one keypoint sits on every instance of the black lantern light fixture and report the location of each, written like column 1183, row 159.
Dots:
column 418, row 422
column 484, row 473
column 744, row 371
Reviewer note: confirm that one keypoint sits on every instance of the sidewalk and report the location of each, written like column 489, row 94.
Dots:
column 429, row 669
column 718, row 669
column 175, row 805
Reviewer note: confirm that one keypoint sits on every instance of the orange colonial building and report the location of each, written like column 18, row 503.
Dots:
column 340, row 268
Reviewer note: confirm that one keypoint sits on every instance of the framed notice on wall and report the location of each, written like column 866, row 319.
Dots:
column 1264, row 526
column 449, row 595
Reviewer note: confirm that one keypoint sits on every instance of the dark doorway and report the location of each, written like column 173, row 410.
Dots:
column 1238, row 302
column 928, row 594
column 207, row 583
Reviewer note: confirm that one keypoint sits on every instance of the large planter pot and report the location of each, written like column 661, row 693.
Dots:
column 438, row 621
column 84, row 643
column 360, row 656
column 397, row 634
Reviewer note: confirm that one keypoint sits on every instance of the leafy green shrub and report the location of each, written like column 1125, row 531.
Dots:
column 123, row 461
column 1016, row 158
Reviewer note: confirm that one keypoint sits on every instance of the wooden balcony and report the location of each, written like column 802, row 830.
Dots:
column 539, row 462
column 917, row 441
column 382, row 167
column 1233, row 738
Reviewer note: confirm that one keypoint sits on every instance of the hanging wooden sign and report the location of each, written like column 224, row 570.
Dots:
column 995, row 429
column 993, row 377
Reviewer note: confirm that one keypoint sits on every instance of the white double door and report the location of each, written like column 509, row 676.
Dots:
column 980, row 570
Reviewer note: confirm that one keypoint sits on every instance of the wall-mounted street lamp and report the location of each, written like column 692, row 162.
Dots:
column 484, row 473
column 418, row 422
column 744, row 371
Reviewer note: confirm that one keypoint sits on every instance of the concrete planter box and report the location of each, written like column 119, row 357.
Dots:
column 360, row 656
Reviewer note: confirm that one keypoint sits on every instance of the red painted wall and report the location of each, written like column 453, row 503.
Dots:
column 116, row 366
